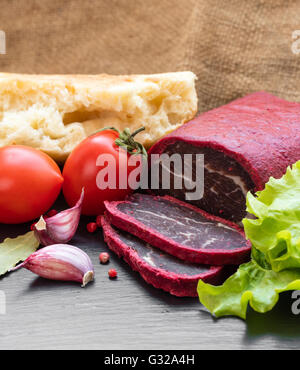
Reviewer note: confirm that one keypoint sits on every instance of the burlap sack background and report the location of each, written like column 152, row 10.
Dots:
column 234, row 46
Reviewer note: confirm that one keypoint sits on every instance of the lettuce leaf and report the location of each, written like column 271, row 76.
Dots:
column 275, row 259
column 276, row 231
column 250, row 284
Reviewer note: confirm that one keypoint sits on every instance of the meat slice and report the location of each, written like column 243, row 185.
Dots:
column 158, row 268
column 180, row 229
column 244, row 143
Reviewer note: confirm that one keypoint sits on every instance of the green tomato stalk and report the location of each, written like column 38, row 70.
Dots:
column 127, row 142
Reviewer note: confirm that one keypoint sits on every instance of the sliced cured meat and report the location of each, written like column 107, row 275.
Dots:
column 158, row 268
column 180, row 229
column 244, row 143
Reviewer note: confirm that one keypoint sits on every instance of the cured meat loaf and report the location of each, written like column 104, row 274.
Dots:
column 180, row 229
column 157, row 268
column 244, row 143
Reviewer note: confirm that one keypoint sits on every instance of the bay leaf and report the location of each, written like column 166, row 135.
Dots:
column 15, row 250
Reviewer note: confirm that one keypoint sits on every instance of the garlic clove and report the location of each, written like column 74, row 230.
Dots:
column 60, row 262
column 59, row 228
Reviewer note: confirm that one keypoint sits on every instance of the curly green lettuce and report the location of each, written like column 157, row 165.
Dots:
column 275, row 261
column 276, row 231
column 251, row 284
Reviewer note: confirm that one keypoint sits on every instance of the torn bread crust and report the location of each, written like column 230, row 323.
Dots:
column 55, row 112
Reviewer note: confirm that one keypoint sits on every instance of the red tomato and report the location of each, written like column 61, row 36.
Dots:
column 30, row 182
column 82, row 170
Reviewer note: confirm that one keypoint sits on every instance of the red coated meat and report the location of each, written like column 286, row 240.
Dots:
column 158, row 268
column 180, row 229
column 244, row 143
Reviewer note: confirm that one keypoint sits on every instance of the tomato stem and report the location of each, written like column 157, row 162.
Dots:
column 137, row 131
column 127, row 142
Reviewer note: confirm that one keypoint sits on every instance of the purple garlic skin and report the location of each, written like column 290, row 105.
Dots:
column 59, row 228
column 60, row 262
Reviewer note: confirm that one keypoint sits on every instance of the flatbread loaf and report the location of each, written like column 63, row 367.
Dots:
column 55, row 112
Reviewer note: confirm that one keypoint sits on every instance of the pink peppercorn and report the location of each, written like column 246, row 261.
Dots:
column 104, row 257
column 91, row 227
column 112, row 273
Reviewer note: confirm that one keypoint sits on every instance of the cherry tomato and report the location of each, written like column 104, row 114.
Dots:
column 30, row 182
column 83, row 167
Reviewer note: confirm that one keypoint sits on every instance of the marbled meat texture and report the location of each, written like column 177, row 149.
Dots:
column 244, row 143
column 157, row 268
column 180, row 229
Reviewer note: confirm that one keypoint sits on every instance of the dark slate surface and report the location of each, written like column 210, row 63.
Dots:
column 125, row 313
